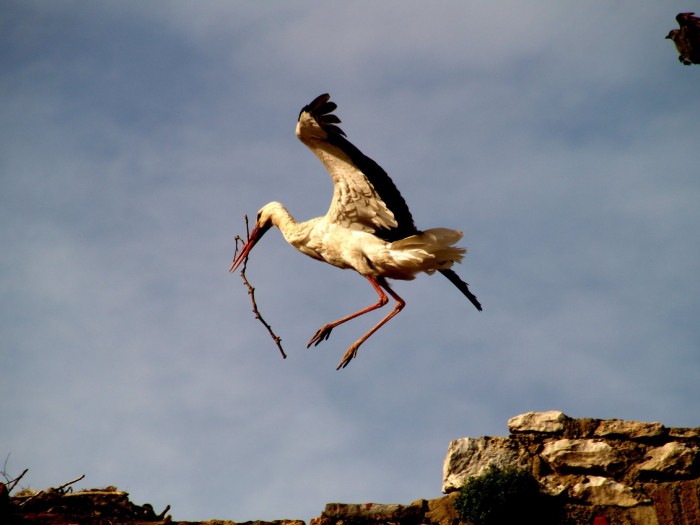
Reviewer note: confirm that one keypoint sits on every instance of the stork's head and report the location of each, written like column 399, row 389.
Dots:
column 264, row 219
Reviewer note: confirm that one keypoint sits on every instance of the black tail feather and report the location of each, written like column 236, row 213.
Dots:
column 463, row 287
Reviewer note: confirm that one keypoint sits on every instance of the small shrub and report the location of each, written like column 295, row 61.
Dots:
column 503, row 497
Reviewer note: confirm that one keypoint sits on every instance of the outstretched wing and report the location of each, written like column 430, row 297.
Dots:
column 364, row 197
column 688, row 20
column 687, row 38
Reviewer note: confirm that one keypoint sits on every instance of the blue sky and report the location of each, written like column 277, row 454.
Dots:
column 561, row 138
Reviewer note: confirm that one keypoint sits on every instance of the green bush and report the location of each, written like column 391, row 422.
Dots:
column 503, row 497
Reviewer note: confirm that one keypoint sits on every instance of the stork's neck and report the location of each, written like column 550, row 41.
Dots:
column 294, row 232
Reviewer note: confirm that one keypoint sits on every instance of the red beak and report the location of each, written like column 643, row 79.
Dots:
column 255, row 236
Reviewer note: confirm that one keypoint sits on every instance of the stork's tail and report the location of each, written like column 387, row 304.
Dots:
column 463, row 287
column 429, row 250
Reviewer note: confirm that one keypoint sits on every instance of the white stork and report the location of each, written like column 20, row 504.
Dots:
column 368, row 227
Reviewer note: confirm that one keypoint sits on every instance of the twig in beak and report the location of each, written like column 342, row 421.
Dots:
column 251, row 291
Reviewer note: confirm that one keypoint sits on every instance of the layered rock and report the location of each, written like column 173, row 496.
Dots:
column 641, row 473
column 603, row 471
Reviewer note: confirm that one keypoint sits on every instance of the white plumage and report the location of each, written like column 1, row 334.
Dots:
column 368, row 227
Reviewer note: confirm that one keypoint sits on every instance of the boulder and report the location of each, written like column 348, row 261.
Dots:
column 692, row 434
column 551, row 422
column 614, row 428
column 671, row 459
column 598, row 490
column 468, row 457
column 442, row 511
column 580, row 455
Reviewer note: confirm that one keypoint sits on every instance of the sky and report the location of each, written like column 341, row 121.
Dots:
column 562, row 138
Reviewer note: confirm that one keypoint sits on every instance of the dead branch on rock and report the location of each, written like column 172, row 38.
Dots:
column 10, row 484
column 251, row 290
column 54, row 491
column 63, row 505
column 61, row 489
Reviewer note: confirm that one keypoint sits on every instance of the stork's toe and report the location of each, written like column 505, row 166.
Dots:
column 349, row 356
column 323, row 334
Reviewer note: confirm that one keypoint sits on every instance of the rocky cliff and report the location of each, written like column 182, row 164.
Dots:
column 603, row 472
column 621, row 471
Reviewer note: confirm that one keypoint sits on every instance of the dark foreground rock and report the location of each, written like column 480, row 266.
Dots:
column 56, row 506
column 603, row 472
column 437, row 511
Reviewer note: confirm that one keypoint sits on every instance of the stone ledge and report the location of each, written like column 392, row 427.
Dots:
column 551, row 422
column 610, row 463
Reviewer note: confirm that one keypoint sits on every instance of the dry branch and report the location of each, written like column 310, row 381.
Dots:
column 62, row 487
column 251, row 291
column 10, row 484
column 60, row 491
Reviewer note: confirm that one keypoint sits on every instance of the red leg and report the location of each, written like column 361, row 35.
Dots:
column 325, row 332
column 352, row 351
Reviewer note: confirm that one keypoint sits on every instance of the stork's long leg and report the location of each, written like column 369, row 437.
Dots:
column 325, row 332
column 352, row 351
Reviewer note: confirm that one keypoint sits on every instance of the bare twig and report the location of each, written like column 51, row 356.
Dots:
column 11, row 484
column 30, row 498
column 251, row 291
column 60, row 490
column 4, row 467
column 62, row 487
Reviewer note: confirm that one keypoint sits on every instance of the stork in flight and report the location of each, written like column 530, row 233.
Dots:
column 368, row 227
column 687, row 38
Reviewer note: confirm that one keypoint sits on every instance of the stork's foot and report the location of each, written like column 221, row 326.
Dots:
column 349, row 355
column 323, row 334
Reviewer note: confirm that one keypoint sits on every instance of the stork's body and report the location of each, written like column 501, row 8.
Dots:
column 368, row 227
column 364, row 252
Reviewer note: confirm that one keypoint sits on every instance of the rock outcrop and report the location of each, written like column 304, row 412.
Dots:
column 627, row 471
